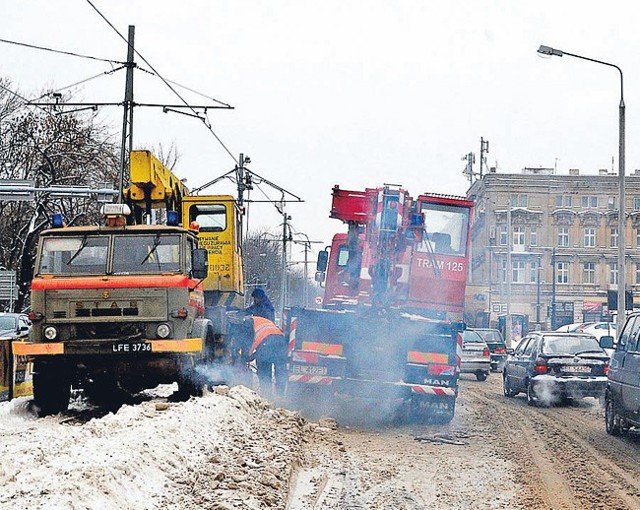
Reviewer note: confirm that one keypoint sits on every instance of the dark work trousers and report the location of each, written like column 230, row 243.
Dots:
column 271, row 357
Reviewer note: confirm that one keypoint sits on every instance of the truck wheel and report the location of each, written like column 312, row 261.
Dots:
column 481, row 376
column 51, row 387
column 611, row 418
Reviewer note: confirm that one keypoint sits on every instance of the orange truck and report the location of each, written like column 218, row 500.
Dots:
column 122, row 307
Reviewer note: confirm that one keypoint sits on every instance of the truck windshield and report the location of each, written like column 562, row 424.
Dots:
column 446, row 229
column 159, row 253
column 74, row 255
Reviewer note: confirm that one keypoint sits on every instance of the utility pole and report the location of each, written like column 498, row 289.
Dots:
column 509, row 275
column 553, row 289
column 127, row 120
column 283, row 287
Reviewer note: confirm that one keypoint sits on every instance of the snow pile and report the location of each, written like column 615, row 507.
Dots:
column 228, row 449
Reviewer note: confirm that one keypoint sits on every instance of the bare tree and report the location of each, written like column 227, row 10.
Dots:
column 49, row 148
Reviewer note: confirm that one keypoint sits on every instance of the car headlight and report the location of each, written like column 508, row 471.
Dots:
column 50, row 332
column 163, row 331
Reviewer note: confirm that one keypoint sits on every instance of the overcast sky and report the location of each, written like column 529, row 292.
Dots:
column 355, row 93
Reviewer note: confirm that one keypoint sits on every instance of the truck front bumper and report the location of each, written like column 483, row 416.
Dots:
column 110, row 346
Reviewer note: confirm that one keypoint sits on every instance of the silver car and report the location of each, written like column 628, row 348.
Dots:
column 476, row 357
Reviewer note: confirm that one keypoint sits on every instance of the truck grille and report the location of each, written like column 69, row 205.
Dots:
column 107, row 312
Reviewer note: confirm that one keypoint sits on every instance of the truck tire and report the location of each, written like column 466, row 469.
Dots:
column 51, row 387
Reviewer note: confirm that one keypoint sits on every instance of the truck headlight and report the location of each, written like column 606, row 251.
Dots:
column 50, row 332
column 163, row 331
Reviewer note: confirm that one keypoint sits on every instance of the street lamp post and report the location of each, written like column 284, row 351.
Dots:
column 547, row 50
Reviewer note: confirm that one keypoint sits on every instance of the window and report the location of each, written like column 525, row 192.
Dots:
column 613, row 273
column 530, row 347
column 519, row 201
column 612, row 203
column 533, row 272
column 67, row 255
column 614, row 237
column 589, row 237
column 503, row 235
column 636, row 203
column 447, row 228
column 343, row 256
column 563, row 200
column 518, row 236
column 517, row 267
column 589, row 272
column 590, row 202
column 146, row 253
column 503, row 272
column 563, row 236
column 521, row 346
column 637, row 273
column 562, row 272
column 533, row 238
column 638, row 238
column 626, row 334
column 209, row 217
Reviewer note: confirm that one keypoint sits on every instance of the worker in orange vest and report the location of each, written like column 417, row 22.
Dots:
column 269, row 349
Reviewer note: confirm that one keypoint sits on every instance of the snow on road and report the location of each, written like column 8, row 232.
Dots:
column 229, row 449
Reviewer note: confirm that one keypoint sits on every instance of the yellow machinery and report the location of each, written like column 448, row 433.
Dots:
column 217, row 218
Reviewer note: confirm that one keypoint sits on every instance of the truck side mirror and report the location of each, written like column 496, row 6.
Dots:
column 199, row 260
column 323, row 260
column 606, row 342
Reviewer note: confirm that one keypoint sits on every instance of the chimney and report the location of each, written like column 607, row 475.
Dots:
column 574, row 171
column 492, row 170
column 603, row 171
column 636, row 171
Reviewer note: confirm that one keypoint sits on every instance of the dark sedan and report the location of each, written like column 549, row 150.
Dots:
column 497, row 347
column 550, row 367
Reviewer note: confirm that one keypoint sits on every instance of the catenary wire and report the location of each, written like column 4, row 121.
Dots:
column 165, row 82
column 70, row 53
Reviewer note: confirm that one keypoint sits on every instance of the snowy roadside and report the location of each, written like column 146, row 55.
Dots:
column 228, row 449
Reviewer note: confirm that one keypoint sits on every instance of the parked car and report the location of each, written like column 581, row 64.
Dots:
column 600, row 329
column 575, row 327
column 476, row 357
column 14, row 325
column 622, row 397
column 552, row 366
column 497, row 347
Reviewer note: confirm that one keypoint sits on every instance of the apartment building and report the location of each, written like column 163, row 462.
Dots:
column 564, row 245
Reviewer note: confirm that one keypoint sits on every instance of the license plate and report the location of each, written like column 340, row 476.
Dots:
column 131, row 347
column 309, row 370
column 576, row 369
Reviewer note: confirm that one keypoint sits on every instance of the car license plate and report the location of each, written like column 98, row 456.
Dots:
column 309, row 370
column 576, row 369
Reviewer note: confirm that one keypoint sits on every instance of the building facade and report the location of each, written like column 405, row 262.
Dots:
column 563, row 243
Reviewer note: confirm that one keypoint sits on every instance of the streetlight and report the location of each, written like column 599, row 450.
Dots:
column 548, row 51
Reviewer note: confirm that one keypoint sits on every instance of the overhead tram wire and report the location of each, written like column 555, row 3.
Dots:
column 69, row 53
column 166, row 83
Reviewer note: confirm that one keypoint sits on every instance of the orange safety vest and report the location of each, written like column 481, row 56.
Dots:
column 262, row 328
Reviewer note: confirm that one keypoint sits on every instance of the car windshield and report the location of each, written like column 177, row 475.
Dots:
column 570, row 345
column 72, row 255
column 491, row 336
column 7, row 323
column 146, row 253
column 471, row 336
